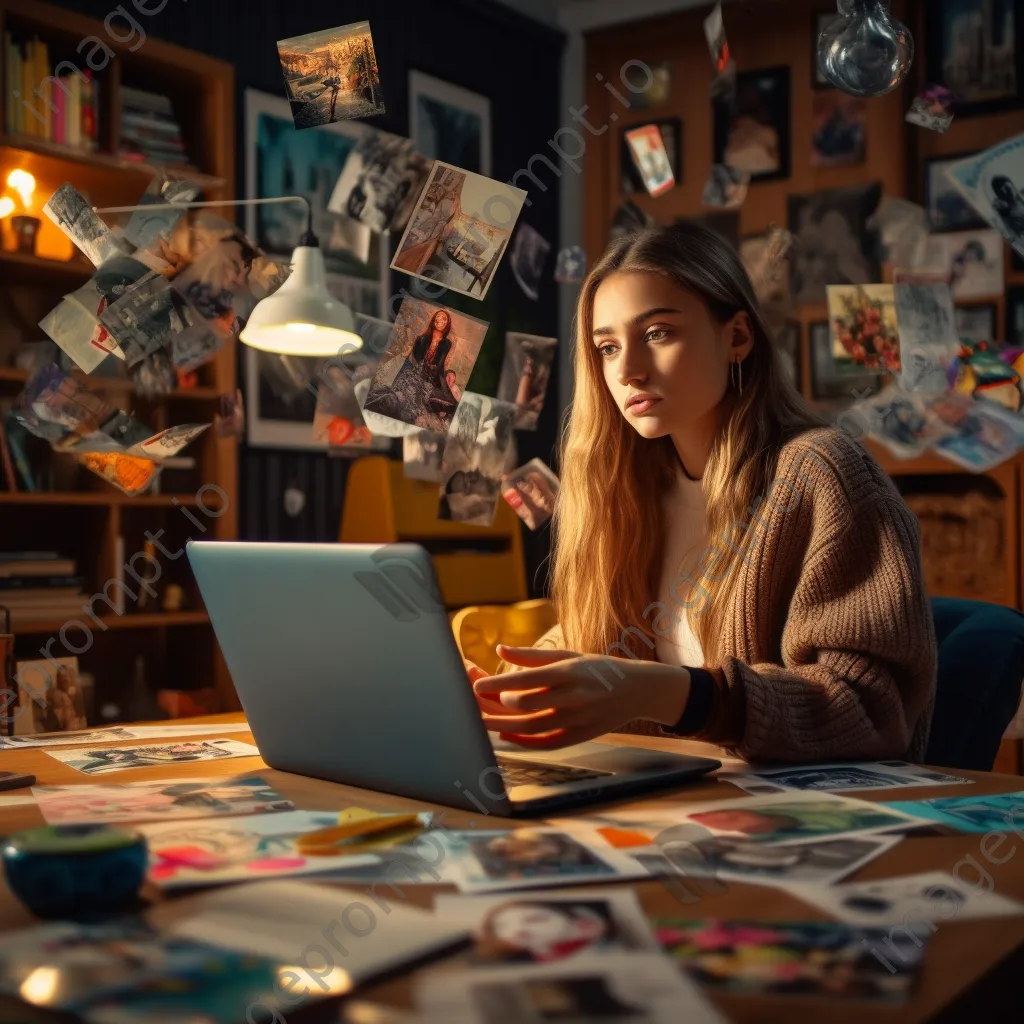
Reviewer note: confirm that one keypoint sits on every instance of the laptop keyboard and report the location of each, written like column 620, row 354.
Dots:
column 532, row 773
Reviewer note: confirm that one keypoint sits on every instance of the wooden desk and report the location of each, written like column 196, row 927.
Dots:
column 960, row 953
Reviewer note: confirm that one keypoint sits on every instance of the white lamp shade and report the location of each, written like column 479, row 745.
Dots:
column 302, row 318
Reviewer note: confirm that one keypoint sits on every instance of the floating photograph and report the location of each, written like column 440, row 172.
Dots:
column 948, row 210
column 525, row 373
column 864, row 328
column 532, row 491
column 647, row 148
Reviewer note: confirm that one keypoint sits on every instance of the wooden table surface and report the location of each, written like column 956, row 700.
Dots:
column 959, row 955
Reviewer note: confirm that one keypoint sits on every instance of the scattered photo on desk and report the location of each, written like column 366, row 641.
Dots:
column 119, row 732
column 981, row 435
column 153, row 801
column 115, row 759
column 477, row 453
column 638, row 988
column 921, row 901
column 813, row 958
column 559, row 925
column 526, row 858
column 967, row 813
column 459, row 230
column 525, row 373
column 840, row 778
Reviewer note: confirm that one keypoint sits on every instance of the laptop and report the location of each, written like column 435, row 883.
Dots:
column 345, row 664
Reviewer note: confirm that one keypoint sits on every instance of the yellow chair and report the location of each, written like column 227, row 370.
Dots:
column 479, row 628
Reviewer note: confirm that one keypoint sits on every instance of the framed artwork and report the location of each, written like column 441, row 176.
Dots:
column 279, row 407
column 973, row 259
column 821, row 21
column 829, row 383
column 752, row 134
column 1015, row 317
column 947, row 208
column 449, row 123
column 973, row 50
column 838, row 134
column 976, row 323
column 672, row 135
column 281, row 161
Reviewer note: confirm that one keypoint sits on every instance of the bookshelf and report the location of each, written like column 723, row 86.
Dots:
column 79, row 515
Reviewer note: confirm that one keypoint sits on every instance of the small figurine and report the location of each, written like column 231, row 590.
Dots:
column 174, row 598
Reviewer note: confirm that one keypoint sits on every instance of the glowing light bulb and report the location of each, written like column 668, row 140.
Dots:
column 24, row 184
column 865, row 51
column 6, row 206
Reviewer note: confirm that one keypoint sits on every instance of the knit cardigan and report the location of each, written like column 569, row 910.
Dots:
column 828, row 645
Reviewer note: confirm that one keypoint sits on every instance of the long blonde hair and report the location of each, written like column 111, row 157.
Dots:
column 608, row 524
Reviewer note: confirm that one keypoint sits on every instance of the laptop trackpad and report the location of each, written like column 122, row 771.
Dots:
column 605, row 757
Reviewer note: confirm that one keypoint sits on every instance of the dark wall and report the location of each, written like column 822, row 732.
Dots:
column 477, row 44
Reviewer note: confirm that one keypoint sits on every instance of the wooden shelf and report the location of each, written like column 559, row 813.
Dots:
column 106, row 161
column 155, row 620
column 10, row 373
column 111, row 497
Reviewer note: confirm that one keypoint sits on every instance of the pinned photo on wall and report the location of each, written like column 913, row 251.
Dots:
column 331, row 75
column 73, row 214
column 532, row 491
column 946, row 206
column 428, row 360
column 928, row 330
column 992, row 182
column 753, row 134
column 839, row 131
column 459, row 230
column 475, row 458
column 422, row 455
column 972, row 261
column 525, row 373
column 864, row 327
column 529, row 254
column 726, row 188
column 647, row 148
column 671, row 130
column 379, row 183
column 933, row 108
column 570, row 265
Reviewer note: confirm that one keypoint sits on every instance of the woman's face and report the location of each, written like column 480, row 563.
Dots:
column 533, row 927
column 440, row 320
column 655, row 338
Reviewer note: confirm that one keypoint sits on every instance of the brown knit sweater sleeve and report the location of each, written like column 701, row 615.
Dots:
column 855, row 677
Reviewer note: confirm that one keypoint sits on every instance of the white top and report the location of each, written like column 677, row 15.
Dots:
column 684, row 546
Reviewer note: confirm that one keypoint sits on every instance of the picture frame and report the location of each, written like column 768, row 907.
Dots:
column 1015, row 316
column 282, row 161
column 829, row 384
column 946, row 206
column 671, row 129
column 981, row 91
column 820, row 20
column 279, row 408
column 753, row 133
column 52, row 697
column 977, row 322
column 449, row 123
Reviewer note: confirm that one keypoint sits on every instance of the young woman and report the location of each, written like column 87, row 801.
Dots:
column 725, row 567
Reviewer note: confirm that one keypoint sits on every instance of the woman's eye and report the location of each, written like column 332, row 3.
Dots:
column 607, row 349
column 656, row 334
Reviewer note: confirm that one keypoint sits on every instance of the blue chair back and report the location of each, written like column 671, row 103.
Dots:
column 981, row 666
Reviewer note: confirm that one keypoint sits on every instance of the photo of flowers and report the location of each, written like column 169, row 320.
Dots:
column 864, row 330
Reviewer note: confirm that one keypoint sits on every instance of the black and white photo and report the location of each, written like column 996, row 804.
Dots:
column 449, row 123
column 422, row 454
column 525, row 374
column 948, row 210
column 73, row 214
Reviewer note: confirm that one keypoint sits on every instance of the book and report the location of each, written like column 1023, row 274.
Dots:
column 36, row 567
column 9, row 85
column 73, row 129
column 14, row 85
column 60, row 114
column 29, row 584
column 88, row 111
column 42, row 72
column 28, row 120
column 139, row 99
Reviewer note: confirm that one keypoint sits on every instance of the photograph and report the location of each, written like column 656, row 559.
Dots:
column 449, row 123
column 991, row 182
column 864, row 331
column 633, row 988
column 971, row 814
column 725, row 188
column 77, row 332
column 158, row 801
column 901, row 421
column 821, row 21
column 973, row 262
column 947, row 209
column 380, row 180
column 570, row 265
column 476, row 453
column 718, row 44
column 651, row 161
column 752, row 135
column 972, row 49
column 281, row 161
column 559, row 925
column 532, row 491
column 1015, row 316
column 657, row 93
column 115, row 759
column 331, row 75
column 978, row 323
column 49, row 694
column 525, row 374
column 73, row 214
column 823, row 958
column 933, row 109
column 459, row 230
column 981, row 435
column 833, row 242
column 839, row 132
column 928, row 337
column 838, row 778
column 338, row 421
column 422, row 455
column 671, row 130
column 428, row 360
column 529, row 254
column 281, row 399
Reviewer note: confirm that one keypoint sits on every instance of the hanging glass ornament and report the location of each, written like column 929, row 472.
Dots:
column 865, row 51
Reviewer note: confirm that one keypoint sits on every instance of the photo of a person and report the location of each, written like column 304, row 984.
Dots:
column 525, row 375
column 524, row 853
column 99, row 761
column 531, row 491
column 63, row 703
column 537, row 931
column 1008, row 204
column 752, row 134
column 783, row 821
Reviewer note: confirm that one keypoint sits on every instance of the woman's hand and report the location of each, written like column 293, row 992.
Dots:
column 487, row 706
column 559, row 698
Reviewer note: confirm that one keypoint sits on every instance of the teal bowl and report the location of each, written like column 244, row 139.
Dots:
column 75, row 871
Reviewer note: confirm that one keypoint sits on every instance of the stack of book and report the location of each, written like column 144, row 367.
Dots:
column 65, row 110
column 149, row 131
column 40, row 586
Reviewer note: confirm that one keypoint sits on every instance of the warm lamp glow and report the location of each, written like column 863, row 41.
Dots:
column 6, row 206
column 24, row 184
